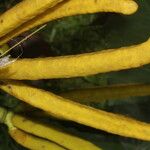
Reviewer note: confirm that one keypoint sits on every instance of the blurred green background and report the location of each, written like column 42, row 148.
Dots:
column 86, row 33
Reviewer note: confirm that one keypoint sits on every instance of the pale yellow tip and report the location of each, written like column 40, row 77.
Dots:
column 130, row 7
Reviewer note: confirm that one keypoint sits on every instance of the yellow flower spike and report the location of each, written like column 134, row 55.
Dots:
column 78, row 65
column 33, row 142
column 48, row 132
column 23, row 12
column 23, row 138
column 74, row 7
column 64, row 108
column 105, row 93
column 45, row 131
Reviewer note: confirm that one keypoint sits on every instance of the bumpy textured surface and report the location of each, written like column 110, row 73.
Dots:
column 23, row 12
column 66, row 109
column 106, row 31
column 79, row 65
column 33, row 142
column 53, row 134
column 75, row 7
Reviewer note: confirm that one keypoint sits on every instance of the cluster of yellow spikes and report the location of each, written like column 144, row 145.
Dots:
column 18, row 20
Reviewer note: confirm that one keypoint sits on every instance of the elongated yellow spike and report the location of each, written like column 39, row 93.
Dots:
column 49, row 132
column 79, row 65
column 33, row 142
column 23, row 12
column 74, row 7
column 64, row 108
column 108, row 92
column 23, row 138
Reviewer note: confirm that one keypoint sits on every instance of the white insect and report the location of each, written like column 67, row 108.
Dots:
column 6, row 60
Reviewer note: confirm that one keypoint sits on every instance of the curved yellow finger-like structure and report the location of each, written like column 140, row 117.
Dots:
column 32, row 142
column 34, row 134
column 23, row 12
column 23, row 138
column 74, row 7
column 78, row 65
column 64, row 108
column 53, row 134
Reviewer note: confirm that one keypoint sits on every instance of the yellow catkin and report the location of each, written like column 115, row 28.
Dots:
column 74, row 7
column 33, row 142
column 78, row 65
column 23, row 138
column 23, row 12
column 109, row 92
column 49, row 132
column 64, row 108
